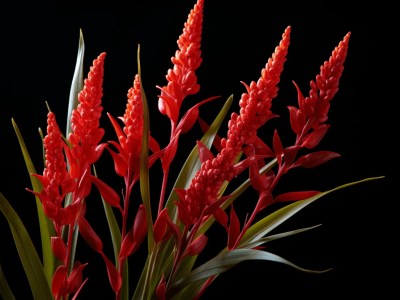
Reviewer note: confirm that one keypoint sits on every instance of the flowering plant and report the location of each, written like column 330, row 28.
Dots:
column 172, row 226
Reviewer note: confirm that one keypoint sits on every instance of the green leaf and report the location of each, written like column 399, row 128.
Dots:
column 278, row 236
column 115, row 234
column 144, row 170
column 45, row 225
column 226, row 260
column 265, row 225
column 5, row 290
column 77, row 82
column 26, row 250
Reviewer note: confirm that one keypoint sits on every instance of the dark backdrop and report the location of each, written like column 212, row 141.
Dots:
column 38, row 51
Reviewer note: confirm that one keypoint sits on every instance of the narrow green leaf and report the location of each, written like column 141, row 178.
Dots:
column 277, row 236
column 144, row 170
column 45, row 225
column 265, row 225
column 26, row 250
column 77, row 82
column 115, row 234
column 226, row 260
column 5, row 290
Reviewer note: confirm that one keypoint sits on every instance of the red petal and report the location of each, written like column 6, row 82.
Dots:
column 183, row 214
column 295, row 196
column 234, row 228
column 126, row 246
column 277, row 145
column 120, row 164
column 315, row 159
column 160, row 225
column 89, row 235
column 113, row 275
column 117, row 127
column 196, row 246
column 217, row 139
column 204, row 153
column 188, row 120
column 59, row 248
column 170, row 152
column 140, row 226
column 59, row 282
column 160, row 290
column 312, row 140
column 109, row 195
column 75, row 279
column 221, row 216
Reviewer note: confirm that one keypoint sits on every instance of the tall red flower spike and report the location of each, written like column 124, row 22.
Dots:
column 55, row 179
column 182, row 80
column 131, row 142
column 313, row 109
column 85, row 119
column 255, row 111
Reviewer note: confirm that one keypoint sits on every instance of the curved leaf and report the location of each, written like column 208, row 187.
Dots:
column 45, row 225
column 77, row 82
column 144, row 170
column 265, row 225
column 226, row 260
column 5, row 290
column 26, row 250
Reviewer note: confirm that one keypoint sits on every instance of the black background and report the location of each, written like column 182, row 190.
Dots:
column 38, row 53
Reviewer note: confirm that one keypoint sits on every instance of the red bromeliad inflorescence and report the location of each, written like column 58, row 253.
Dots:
column 69, row 163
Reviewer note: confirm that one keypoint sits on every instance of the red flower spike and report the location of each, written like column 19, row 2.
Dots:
column 295, row 196
column 314, row 159
column 196, row 246
column 131, row 140
column 109, row 195
column 234, row 228
column 85, row 119
column 59, row 248
column 182, row 80
column 89, row 235
column 56, row 167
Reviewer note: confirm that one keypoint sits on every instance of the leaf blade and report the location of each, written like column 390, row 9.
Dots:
column 26, row 250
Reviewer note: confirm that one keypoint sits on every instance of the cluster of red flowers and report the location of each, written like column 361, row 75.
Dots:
column 68, row 177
